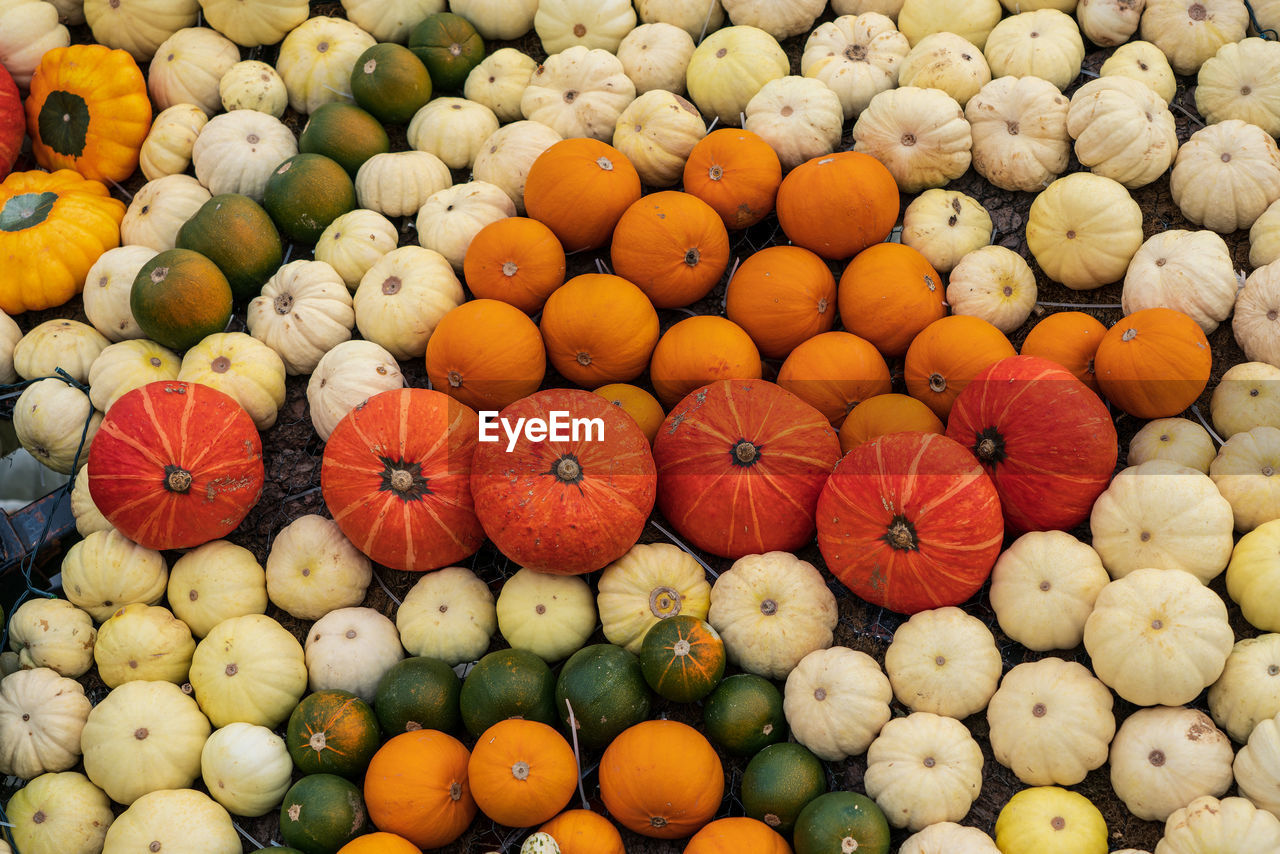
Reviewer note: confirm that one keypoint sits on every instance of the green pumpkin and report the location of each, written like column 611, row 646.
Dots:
column 345, row 134
column 682, row 658
column 333, row 732
column 390, row 82
column 841, row 821
column 508, row 683
column 321, row 813
column 606, row 687
column 779, row 782
column 235, row 233
column 307, row 192
column 449, row 47
column 418, row 693
column 744, row 714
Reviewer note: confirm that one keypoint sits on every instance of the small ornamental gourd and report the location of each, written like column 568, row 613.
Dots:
column 836, row 700
column 303, row 312
column 944, row 662
column 1083, row 229
column 1179, row 440
column 67, row 344
column 167, row 148
column 945, row 225
column 1191, row 31
column 452, row 129
column 1108, row 23
column 243, row 368
column 655, row 56
column 1245, row 398
column 550, row 615
column 1257, row 766
column 159, row 209
column 1252, row 580
column 59, row 813
column 1122, row 130
column 1248, row 691
column 127, row 365
column 799, row 117
column 856, row 56
column 1019, row 126
column 53, row 633
column 579, row 92
column 995, row 284
column 651, row 582
column 316, row 59
column 246, row 768
column 403, row 297
column 417, row 787
column 1190, row 271
column 1237, row 82
column 106, row 570
column 42, row 717
column 656, row 132
column 350, row 649
column 313, row 569
column 661, row 779
column 397, row 183
column 1230, row 824
column 346, row 376
column 499, row 81
column 1050, row 820
column 250, row 669
column 923, row 769
column 179, row 820
column 920, row 135
column 1242, row 472
column 1226, row 175
column 143, row 642
column 1043, row 588
column 236, row 152
column 253, row 85
column 729, row 67
column 1254, row 330
column 448, row 614
column 30, row 28
column 215, row 582
column 1163, row 758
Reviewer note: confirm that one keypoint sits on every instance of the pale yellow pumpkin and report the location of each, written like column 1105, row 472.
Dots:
column 943, row 661
column 1253, row 577
column 350, row 373
column 1248, row 691
column 945, row 225
column 316, row 59
column 451, row 218
column 728, row 68
column 314, row 569
column 215, row 582
column 920, row 135
column 579, row 92
column 800, row 118
column 250, row 669
column 1191, row 31
column 1242, row 81
column 507, row 154
column 53, row 633
column 88, row 517
column 303, row 312
column 350, row 245
column 124, row 366
column 1257, row 311
column 51, row 418
column 402, row 297
column 1264, row 237
column 253, row 85
column 550, row 615
column 1142, row 61
column 656, row 132
column 1083, row 230
column 106, row 570
column 1108, row 23
column 246, row 768
column 857, row 57
column 350, row 649
column 244, row 368
column 1043, row 43
column 594, row 24
column 168, row 146
column 1164, row 758
column 1257, row 767
column 946, row 61
column 780, row 20
column 188, row 69
column 1043, row 588
column 972, row 20
column 1178, row 440
column 923, row 769
column 1246, row 396
column 67, row 344
column 159, row 209
column 42, row 718
column 499, row 81
column 143, row 642
column 179, row 820
column 1244, row 472
column 656, row 56
column 448, row 614
column 396, row 184
column 651, row 582
column 995, row 284
column 1189, row 271
column 453, row 129
column 1123, row 130
column 836, row 701
column 1226, row 175
column 73, row 815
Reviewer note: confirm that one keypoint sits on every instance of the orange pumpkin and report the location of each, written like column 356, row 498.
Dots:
column 673, row 246
column 522, row 772
column 947, row 355
column 782, row 296
column 380, row 843
column 838, row 204
column 833, row 372
column 486, row 354
column 661, row 778
column 638, row 403
column 885, row 414
column 701, row 350
column 517, row 260
column 737, row 173
column 580, row 187
column 736, row 836
column 1154, row 363
column 599, row 329
column 584, row 832
column 888, row 293
column 416, row 786
column 1069, row 338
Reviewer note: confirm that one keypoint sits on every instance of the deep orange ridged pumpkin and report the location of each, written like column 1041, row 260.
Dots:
column 1071, row 339
column 947, row 355
column 1043, row 437
column 838, row 204
column 13, row 123
column 417, row 787
column 486, row 354
column 782, row 296
column 673, row 246
column 737, row 173
column 380, row 842
column 884, row 414
column 175, row 465
column 88, row 110
column 910, row 521
column 740, row 467
column 737, row 835
column 599, row 328
column 396, row 477
column 1153, row 363
column 517, row 260
column 584, row 832
column 579, row 188
column 834, row 372
column 662, row 779
column 888, row 294
column 522, row 772
column 700, row 350
column 638, row 403
column 564, row 505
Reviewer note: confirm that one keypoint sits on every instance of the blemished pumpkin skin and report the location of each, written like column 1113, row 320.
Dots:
column 638, row 403
column 522, row 772
column 584, row 832
column 416, row 786
column 516, row 260
column 835, row 372
column 735, row 836
column 564, row 505
column 1153, row 363
column 782, row 296
column 88, row 110
column 884, row 414
column 700, row 350
column 740, row 466
column 947, row 355
column 1046, row 441
column 599, row 328
column 737, row 173
column 487, row 354
column 396, row 477
column 580, row 188
column 672, row 245
column 888, row 293
column 13, row 125
column 838, row 204
column 175, row 465
column 41, row 212
column 1069, row 338
column 662, row 779
column 910, row 521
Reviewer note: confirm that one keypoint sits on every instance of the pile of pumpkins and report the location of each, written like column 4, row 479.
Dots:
column 744, row 392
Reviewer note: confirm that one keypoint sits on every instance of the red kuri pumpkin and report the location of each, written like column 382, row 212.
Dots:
column 572, row 490
column 396, row 477
column 1044, row 438
column 910, row 521
column 740, row 466
column 175, row 465
column 13, row 123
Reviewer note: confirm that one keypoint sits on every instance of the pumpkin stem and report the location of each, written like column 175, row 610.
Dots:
column 745, row 453
column 692, row 257
column 988, row 447
column 284, row 303
column 937, row 383
column 177, row 479
column 567, row 469
column 403, row 479
column 520, row 770
column 664, row 602
column 901, row 535
column 768, row 607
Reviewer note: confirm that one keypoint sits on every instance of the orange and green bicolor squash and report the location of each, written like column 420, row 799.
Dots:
column 682, row 658
column 334, row 732
column 179, row 297
column 88, row 110
column 53, row 227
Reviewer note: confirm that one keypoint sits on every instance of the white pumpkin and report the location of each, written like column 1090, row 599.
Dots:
column 995, row 284
column 243, row 367
column 1264, row 237
column 246, row 768
column 656, row 56
column 1248, row 691
column 772, row 610
column 1043, row 588
column 254, row 24
column 1232, row 824
column 695, row 17
column 253, row 85
column 1123, row 130
column 396, row 184
column 972, row 20
column 578, row 92
column 303, row 312
column 1179, row 440
column 499, row 81
column 1191, row 31
column 159, row 209
column 347, row 375
column 1226, row 175
column 1252, row 579
column 944, row 226
column 859, row 7
column 800, row 118
column 1246, row 396
column 946, row 61
column 1083, row 230
column 497, row 19
column 1108, row 23
column 250, row 669
column 1158, row 636
column 857, row 57
column 28, row 30
column 143, row 642
column 50, row 419
column 316, row 59
column 550, row 615
column 1242, row 81
column 656, row 132
column 1142, row 61
column 167, row 148
column 448, row 614
column 1164, row 758
column 505, row 157
column 1257, row 310
column 1190, row 271
column 1051, row 722
column 780, row 20
column 593, row 24
column 138, row 26
column 60, row 813
column 450, row 219
column 920, row 135
column 943, row 661
column 106, row 570
column 947, row 837
column 67, row 344
column 215, row 582
column 353, row 243
column 1243, row 472
column 651, row 582
column 53, row 633
column 390, row 20
column 143, row 737
column 42, row 716
column 10, row 335
column 923, row 769
column 177, row 821
column 1257, row 767
column 106, row 292
column 1043, row 43
column 402, row 297
column 237, row 152
column 728, row 68
column 350, row 649
column 188, row 68
column 452, row 129
column 313, row 569
column 836, row 701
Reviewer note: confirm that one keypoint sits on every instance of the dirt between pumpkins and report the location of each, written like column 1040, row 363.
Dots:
column 292, row 453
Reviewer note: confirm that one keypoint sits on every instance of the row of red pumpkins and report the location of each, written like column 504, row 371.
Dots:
column 564, row 482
